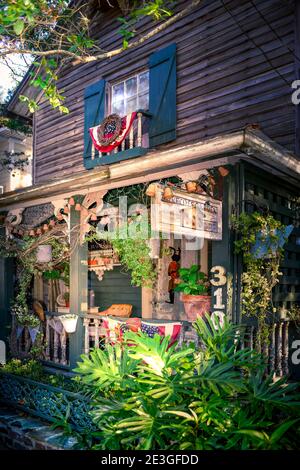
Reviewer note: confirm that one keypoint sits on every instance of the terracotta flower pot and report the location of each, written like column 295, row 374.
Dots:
column 196, row 305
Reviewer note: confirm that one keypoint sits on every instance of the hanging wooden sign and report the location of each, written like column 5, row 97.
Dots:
column 181, row 213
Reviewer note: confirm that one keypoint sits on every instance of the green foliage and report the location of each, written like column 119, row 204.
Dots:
column 58, row 32
column 33, row 369
column 134, row 255
column 260, row 274
column 148, row 395
column 192, row 281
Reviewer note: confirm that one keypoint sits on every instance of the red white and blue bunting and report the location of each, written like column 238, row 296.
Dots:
column 111, row 132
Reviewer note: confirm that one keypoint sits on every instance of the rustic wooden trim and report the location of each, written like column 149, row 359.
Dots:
column 251, row 145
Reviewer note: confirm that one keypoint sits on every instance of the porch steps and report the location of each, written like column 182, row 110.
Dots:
column 20, row 431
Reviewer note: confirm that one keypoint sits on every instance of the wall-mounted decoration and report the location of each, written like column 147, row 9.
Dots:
column 36, row 215
column 188, row 214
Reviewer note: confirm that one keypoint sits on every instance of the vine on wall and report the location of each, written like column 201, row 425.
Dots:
column 261, row 273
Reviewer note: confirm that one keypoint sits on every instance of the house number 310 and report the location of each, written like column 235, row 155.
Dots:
column 218, row 280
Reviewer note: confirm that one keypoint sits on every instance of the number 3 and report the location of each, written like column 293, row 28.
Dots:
column 219, row 273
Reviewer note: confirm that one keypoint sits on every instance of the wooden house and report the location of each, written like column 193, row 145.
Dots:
column 208, row 96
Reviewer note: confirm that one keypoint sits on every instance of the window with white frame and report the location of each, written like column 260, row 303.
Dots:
column 130, row 94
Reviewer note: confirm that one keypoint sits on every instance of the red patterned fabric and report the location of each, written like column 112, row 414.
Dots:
column 115, row 328
column 127, row 122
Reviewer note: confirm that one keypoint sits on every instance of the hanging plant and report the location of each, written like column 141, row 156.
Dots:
column 134, row 254
column 260, row 241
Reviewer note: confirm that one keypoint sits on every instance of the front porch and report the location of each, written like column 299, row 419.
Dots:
column 79, row 204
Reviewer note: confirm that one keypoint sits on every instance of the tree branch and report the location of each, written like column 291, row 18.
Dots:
column 104, row 55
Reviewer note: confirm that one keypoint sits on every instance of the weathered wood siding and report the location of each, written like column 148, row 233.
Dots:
column 224, row 79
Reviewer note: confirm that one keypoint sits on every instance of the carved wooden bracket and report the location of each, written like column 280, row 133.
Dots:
column 86, row 210
column 58, row 205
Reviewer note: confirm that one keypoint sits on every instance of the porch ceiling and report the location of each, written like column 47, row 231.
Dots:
column 247, row 144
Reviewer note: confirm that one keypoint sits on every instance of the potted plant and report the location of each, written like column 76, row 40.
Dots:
column 69, row 322
column 269, row 241
column 194, row 287
column 67, row 298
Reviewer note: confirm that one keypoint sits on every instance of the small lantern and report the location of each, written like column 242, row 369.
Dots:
column 44, row 253
column 71, row 201
column 168, row 193
column 93, row 217
column 52, row 222
column 151, row 190
column 191, row 186
column 45, row 227
column 39, row 231
column 66, row 210
column 32, row 233
column 78, row 207
column 59, row 216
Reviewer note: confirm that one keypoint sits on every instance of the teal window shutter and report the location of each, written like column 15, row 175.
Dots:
column 162, row 96
column 94, row 110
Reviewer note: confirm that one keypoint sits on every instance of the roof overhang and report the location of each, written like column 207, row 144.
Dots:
column 246, row 144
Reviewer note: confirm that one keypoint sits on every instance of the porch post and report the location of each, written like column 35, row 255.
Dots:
column 222, row 292
column 78, row 285
column 6, row 293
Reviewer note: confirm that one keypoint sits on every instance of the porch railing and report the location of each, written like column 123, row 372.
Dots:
column 54, row 338
column 57, row 340
column 275, row 350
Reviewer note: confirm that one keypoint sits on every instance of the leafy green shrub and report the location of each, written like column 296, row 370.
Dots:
column 34, row 370
column 148, row 395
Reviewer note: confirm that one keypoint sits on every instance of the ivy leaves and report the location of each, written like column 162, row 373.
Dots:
column 261, row 274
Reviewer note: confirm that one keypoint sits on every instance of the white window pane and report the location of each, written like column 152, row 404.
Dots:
column 143, row 101
column 144, row 81
column 131, row 105
column 117, row 107
column 118, row 92
column 131, row 87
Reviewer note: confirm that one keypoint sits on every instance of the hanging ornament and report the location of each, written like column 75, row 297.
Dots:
column 59, row 216
column 45, row 227
column 32, row 233
column 151, row 190
column 78, row 207
column 168, row 193
column 66, row 210
column 39, row 231
column 52, row 222
column 191, row 186
column 223, row 171
column 93, row 217
column 71, row 201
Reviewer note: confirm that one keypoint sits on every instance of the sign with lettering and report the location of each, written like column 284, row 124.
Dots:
column 195, row 215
